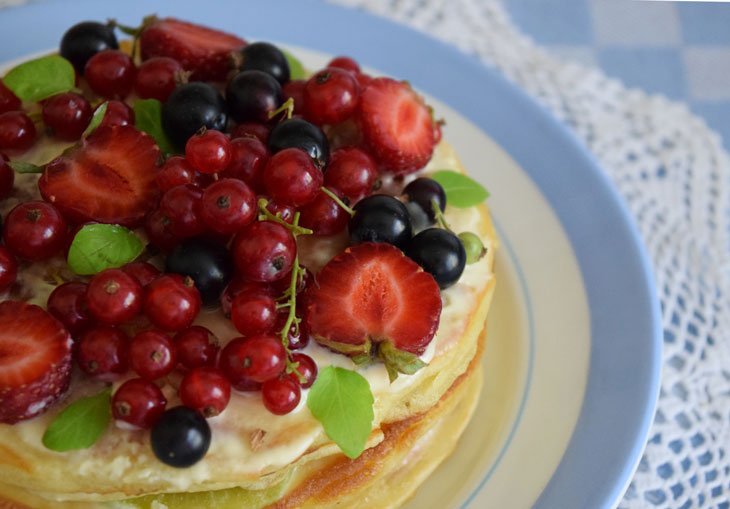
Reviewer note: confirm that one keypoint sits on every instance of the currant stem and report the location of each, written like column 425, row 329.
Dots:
column 288, row 106
column 337, row 200
column 293, row 227
column 440, row 219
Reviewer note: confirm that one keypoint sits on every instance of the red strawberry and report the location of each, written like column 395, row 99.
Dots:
column 373, row 294
column 397, row 125
column 35, row 360
column 199, row 49
column 109, row 179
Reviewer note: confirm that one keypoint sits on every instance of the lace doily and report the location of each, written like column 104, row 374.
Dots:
column 673, row 174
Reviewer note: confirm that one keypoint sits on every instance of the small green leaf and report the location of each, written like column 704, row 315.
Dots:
column 148, row 118
column 41, row 78
column 21, row 167
column 95, row 120
column 461, row 191
column 102, row 246
column 296, row 69
column 341, row 400
column 80, row 424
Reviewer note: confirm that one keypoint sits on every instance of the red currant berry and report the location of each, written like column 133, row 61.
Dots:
column 138, row 402
column 306, row 367
column 331, row 96
column 8, row 100
column 281, row 395
column 171, row 302
column 110, row 73
column 17, row 132
column 158, row 228
column 196, row 346
column 257, row 359
column 143, row 272
column 67, row 115
column 294, row 90
column 7, row 179
column 253, row 311
column 181, row 205
column 102, row 352
column 35, row 230
column 236, row 286
column 251, row 130
column 291, row 177
column 352, row 172
column 279, row 286
column 117, row 113
column 67, row 303
column 114, row 297
column 156, row 78
column 264, row 251
column 248, row 160
column 152, row 354
column 364, row 80
column 297, row 335
column 209, row 152
column 8, row 269
column 227, row 206
column 175, row 172
column 345, row 63
column 284, row 212
column 323, row 215
column 205, row 390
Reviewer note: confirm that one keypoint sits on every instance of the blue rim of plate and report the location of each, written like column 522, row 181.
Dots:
column 626, row 338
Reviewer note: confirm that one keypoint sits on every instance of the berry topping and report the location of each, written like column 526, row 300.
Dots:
column 440, row 253
column 35, row 361
column 330, row 96
column 201, row 50
column 175, row 172
column 181, row 206
column 8, row 100
column 373, row 295
column 67, row 303
column 252, row 95
column 396, row 125
column 114, row 297
column 281, row 395
column 181, row 437
column 306, row 367
column 171, row 302
column 423, row 191
column 345, row 63
column 109, row 179
column 253, row 310
column 298, row 133
column 152, row 354
column 102, row 351
column 35, row 230
column 291, row 177
column 264, row 251
column 265, row 57
column 251, row 130
column 255, row 358
column 7, row 178
column 208, row 151
column 17, row 132
column 380, row 218
column 205, row 390
column 248, row 160
column 84, row 40
column 156, row 78
column 190, row 107
column 117, row 113
column 196, row 346
column 67, row 115
column 138, row 402
column 323, row 215
column 209, row 265
column 110, row 74
column 143, row 272
column 227, row 206
column 352, row 172
column 8, row 269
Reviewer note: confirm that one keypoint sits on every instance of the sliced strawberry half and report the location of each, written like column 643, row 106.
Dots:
column 200, row 50
column 397, row 126
column 372, row 299
column 35, row 361
column 110, row 178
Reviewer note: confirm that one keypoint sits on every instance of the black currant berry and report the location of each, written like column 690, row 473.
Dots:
column 380, row 218
column 252, row 95
column 84, row 40
column 298, row 133
column 421, row 191
column 190, row 107
column 181, row 437
column 265, row 57
column 209, row 264
column 440, row 253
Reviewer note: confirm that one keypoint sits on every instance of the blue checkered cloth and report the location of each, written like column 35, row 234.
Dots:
column 679, row 49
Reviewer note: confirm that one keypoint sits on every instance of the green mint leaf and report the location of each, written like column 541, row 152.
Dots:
column 461, row 191
column 41, row 78
column 80, row 424
column 341, row 400
column 148, row 118
column 102, row 246
column 95, row 120
column 296, row 69
column 21, row 167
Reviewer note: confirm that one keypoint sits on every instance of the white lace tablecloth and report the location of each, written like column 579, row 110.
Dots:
column 673, row 174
